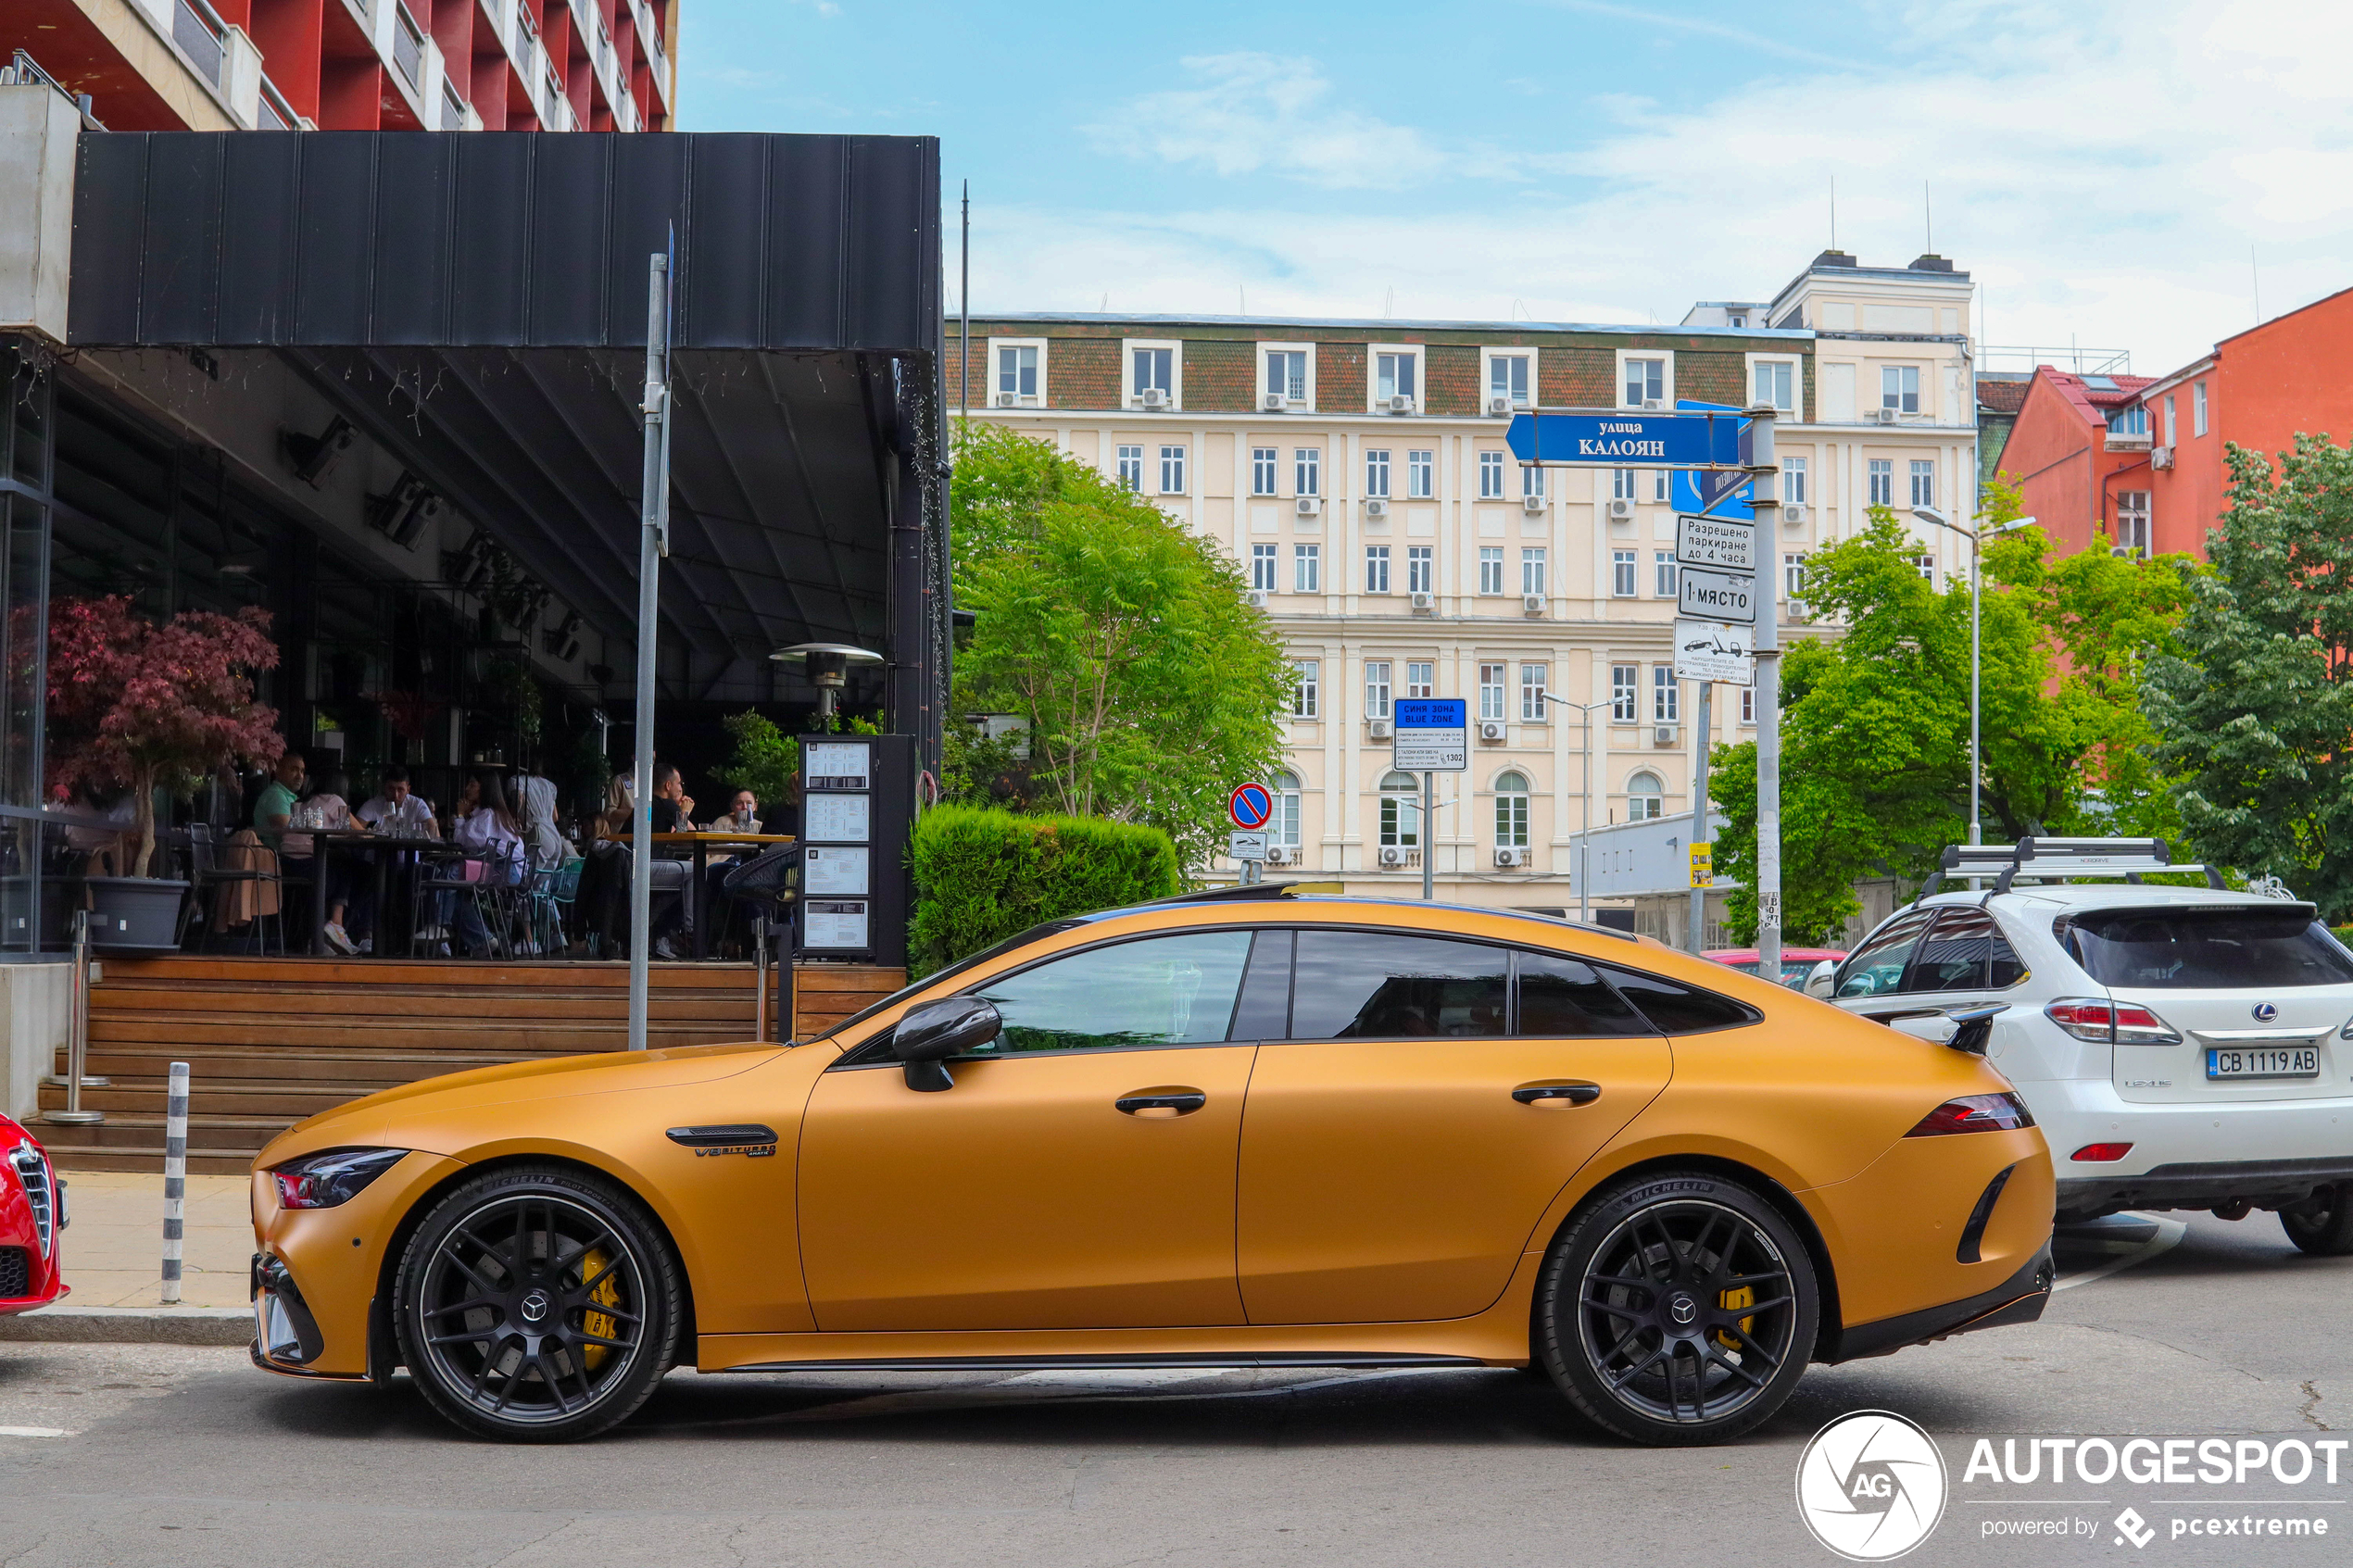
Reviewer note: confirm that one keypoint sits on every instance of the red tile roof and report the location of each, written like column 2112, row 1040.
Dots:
column 2094, row 403
column 2001, row 396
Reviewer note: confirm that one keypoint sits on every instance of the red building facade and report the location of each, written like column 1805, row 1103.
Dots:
column 2080, row 453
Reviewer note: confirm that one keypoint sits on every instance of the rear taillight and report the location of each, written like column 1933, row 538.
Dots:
column 2100, row 1153
column 2123, row 1023
column 1975, row 1113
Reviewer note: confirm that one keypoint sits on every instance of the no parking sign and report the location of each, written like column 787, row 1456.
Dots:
column 1251, row 806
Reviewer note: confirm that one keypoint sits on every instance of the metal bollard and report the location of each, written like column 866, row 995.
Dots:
column 175, row 1180
column 76, row 1076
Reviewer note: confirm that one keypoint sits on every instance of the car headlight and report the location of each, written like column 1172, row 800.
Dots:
column 322, row 1181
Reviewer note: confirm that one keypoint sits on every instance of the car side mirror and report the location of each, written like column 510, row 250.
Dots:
column 928, row 1036
column 1824, row 977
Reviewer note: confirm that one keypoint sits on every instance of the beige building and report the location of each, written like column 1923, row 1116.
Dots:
column 1357, row 472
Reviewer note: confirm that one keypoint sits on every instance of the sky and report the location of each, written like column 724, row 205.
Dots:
column 2136, row 176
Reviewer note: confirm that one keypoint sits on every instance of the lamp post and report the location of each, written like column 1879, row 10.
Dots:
column 1976, row 538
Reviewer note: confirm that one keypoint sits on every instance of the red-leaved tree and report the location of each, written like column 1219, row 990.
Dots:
column 138, row 705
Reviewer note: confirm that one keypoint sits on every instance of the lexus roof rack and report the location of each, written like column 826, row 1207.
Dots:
column 2050, row 858
column 1253, row 890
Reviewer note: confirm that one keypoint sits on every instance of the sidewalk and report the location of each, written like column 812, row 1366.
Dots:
column 113, row 1252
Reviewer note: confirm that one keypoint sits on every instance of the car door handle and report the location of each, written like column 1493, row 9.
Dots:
column 1158, row 1104
column 1557, row 1094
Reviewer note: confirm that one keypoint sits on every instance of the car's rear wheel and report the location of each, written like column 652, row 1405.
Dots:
column 2322, row 1224
column 537, row 1304
column 1677, row 1308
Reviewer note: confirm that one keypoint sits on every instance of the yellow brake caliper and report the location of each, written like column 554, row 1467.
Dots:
column 606, row 1294
column 1733, row 1302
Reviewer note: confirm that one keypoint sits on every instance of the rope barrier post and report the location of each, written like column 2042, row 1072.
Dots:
column 175, row 1180
column 77, row 1074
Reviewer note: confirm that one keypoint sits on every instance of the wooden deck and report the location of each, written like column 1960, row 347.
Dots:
column 270, row 1041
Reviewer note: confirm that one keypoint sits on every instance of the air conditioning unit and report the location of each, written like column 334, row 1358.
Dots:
column 1258, row 598
column 1884, row 415
column 1393, row 856
column 1376, row 505
column 1494, row 729
column 1621, row 510
column 1152, row 398
column 1652, row 405
column 2125, row 552
column 1282, row 855
column 1500, row 404
column 1309, row 506
column 1508, row 855
column 1273, row 403
column 1531, row 503
column 1532, row 604
column 2161, row 456
column 1664, row 735
column 1424, row 603
column 1794, row 512
column 1796, row 610
column 1380, row 729
column 1401, row 404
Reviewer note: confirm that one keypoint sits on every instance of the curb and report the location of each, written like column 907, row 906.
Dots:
column 131, row 1325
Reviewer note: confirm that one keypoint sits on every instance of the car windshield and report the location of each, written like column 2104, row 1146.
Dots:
column 2217, row 947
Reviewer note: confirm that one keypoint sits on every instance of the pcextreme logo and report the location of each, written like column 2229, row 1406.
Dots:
column 1870, row 1485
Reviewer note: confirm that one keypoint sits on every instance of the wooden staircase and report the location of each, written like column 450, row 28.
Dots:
column 270, row 1041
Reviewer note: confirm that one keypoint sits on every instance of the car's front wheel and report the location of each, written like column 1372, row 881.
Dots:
column 537, row 1304
column 2322, row 1224
column 1677, row 1308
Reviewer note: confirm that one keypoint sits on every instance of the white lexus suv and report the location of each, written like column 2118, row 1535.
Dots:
column 2181, row 1048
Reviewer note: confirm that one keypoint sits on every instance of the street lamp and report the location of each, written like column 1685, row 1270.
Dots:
column 1585, row 839
column 1976, row 538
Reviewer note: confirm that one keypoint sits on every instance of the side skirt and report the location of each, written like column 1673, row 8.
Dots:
column 1350, row 1361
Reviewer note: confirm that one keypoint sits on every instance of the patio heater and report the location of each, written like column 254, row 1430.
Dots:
column 826, row 667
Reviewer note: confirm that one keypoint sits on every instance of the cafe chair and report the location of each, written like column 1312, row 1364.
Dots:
column 252, row 889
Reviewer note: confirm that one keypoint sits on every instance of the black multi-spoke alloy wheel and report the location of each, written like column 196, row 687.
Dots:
column 2322, row 1224
column 537, row 1305
column 1677, row 1308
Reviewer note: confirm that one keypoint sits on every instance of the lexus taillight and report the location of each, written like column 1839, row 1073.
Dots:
column 1975, row 1113
column 2100, row 1153
column 2123, row 1023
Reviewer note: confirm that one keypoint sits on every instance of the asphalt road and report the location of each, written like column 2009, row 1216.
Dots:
column 140, row 1455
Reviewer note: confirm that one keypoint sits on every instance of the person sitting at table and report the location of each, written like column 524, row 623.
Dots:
column 275, row 810
column 674, row 808
column 396, row 812
column 483, row 826
column 327, row 807
column 742, row 816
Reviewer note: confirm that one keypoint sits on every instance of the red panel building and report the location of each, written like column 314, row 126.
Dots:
column 2080, row 453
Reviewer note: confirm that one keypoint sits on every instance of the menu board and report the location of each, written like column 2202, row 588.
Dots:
column 835, row 765
column 833, row 923
column 834, row 870
column 836, row 819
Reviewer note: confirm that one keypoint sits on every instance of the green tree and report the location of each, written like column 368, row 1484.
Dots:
column 2254, row 709
column 767, row 761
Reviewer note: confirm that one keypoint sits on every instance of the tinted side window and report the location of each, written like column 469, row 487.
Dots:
column 1562, row 997
column 1160, row 991
column 1966, row 951
column 1373, row 985
column 1264, row 1013
column 1674, row 1008
column 1876, row 967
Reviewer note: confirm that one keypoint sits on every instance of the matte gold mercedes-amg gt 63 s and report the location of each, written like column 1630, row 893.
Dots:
column 1239, row 1131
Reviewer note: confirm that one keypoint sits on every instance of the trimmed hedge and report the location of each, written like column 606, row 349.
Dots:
column 984, row 875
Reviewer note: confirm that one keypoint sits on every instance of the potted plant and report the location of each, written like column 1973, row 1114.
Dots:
column 147, row 707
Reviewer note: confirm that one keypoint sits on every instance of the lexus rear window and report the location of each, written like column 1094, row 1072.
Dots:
column 2212, row 948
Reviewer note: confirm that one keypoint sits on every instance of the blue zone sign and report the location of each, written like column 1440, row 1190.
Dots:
column 1633, row 439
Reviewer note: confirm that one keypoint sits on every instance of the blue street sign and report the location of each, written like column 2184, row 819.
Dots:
column 1633, row 439
column 1251, row 806
column 1696, row 490
column 1432, row 712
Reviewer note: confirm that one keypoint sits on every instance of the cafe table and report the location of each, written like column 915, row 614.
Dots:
column 382, row 849
column 704, row 841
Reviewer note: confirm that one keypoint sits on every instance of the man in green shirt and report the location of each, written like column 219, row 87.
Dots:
column 277, row 803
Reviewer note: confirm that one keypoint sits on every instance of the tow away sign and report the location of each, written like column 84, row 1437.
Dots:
column 1716, row 650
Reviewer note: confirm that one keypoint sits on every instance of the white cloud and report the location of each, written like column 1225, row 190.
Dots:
column 2101, row 170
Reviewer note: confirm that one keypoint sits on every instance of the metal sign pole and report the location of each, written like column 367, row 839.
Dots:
column 651, row 545
column 1699, row 817
column 1765, row 498
column 1429, row 838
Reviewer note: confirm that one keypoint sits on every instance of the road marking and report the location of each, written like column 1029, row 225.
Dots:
column 2168, row 1235
column 32, row 1431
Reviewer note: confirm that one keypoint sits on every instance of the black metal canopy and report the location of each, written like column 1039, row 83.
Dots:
column 476, row 302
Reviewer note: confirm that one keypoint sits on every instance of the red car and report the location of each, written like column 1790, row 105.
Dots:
column 33, row 1211
column 1796, row 962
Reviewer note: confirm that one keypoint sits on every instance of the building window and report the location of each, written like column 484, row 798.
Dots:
column 1283, row 828
column 1645, row 381
column 1531, row 571
column 1262, row 471
column 1793, row 579
column 1419, row 570
column 1155, row 370
column 1490, row 569
column 1418, row 681
column 1882, row 477
column 1748, row 705
column 1899, row 388
column 1401, row 811
column 2173, row 421
column 1776, row 383
column 1491, row 690
column 1511, row 812
column 1376, row 689
column 1131, row 467
column 1662, row 486
column 1621, row 484
column 1925, row 567
column 1305, row 688
column 1491, row 476
column 1261, row 568
column 1017, row 373
column 1794, row 481
column 1421, row 473
column 1172, row 471
column 1923, row 481
column 1377, row 471
column 2129, row 422
column 1621, row 574
column 2197, row 408
column 1507, row 379
column 2132, row 521
column 1307, row 471
column 1307, row 568
column 1286, row 374
column 1376, row 568
column 1663, row 574
column 1393, row 377
column 1645, row 798
column 1531, row 694
column 1531, row 481
column 1666, row 695
column 1624, row 681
